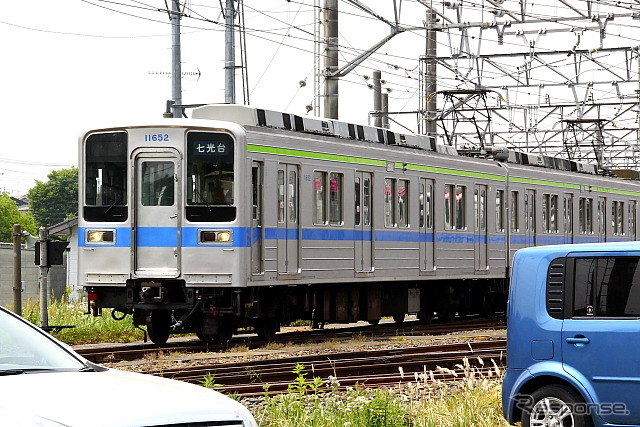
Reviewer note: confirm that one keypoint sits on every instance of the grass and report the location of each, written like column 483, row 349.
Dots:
column 472, row 401
column 86, row 328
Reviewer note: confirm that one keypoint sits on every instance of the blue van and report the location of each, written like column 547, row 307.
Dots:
column 573, row 336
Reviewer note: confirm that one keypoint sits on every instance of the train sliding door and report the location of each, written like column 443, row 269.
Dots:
column 480, row 240
column 288, row 233
column 363, row 246
column 257, row 236
column 427, row 236
column 156, row 232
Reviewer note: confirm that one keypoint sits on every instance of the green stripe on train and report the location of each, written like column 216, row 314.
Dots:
column 400, row 165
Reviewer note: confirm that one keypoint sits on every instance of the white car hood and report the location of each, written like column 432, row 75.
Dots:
column 113, row 398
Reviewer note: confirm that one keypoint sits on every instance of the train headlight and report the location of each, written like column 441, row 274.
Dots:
column 215, row 236
column 100, row 236
column 224, row 236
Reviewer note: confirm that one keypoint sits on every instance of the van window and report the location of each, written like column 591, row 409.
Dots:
column 607, row 287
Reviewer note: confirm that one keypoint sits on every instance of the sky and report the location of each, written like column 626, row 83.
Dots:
column 76, row 64
column 73, row 65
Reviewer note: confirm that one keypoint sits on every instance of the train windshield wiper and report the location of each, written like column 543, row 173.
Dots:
column 113, row 204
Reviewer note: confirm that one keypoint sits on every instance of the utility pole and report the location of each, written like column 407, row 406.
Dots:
column 17, row 270
column 331, row 59
column 229, row 54
column 176, row 74
column 42, row 278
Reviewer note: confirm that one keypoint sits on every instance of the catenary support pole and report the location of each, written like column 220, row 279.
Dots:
column 331, row 59
column 229, row 54
column 377, row 98
column 431, row 79
column 176, row 66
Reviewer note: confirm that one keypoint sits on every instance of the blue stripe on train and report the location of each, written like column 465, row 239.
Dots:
column 244, row 236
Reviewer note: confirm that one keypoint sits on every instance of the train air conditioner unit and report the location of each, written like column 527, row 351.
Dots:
column 535, row 160
column 420, row 141
column 274, row 119
column 309, row 125
column 446, row 149
column 239, row 114
column 344, row 130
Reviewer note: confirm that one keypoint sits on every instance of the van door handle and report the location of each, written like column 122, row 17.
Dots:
column 578, row 340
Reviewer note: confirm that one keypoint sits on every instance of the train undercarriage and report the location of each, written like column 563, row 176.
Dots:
column 167, row 307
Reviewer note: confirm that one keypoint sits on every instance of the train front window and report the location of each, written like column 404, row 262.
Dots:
column 105, row 177
column 210, row 177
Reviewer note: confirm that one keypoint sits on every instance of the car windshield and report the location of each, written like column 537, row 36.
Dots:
column 24, row 348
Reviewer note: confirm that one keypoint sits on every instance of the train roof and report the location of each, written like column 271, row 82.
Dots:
column 250, row 116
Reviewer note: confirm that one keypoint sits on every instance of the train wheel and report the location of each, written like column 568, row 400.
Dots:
column 425, row 317
column 224, row 335
column 158, row 326
column 267, row 329
column 225, row 332
column 398, row 318
column 373, row 321
column 448, row 315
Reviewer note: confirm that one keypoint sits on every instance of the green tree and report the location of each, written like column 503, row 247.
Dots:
column 54, row 201
column 9, row 215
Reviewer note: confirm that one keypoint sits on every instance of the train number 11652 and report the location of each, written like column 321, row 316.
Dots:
column 156, row 137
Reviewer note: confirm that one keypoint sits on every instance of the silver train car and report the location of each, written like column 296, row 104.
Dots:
column 247, row 218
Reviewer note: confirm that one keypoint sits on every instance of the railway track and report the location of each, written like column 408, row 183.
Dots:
column 121, row 352
column 365, row 368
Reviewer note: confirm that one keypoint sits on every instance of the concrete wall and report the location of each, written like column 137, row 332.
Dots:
column 57, row 276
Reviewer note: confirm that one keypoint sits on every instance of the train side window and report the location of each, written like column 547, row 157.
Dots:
column 550, row 213
column 480, row 207
column 292, row 202
column 585, row 214
column 461, row 208
column 403, row 203
column 455, row 207
column 335, row 199
column 607, row 287
column 515, row 211
column 530, row 211
column 281, row 201
column 500, row 211
column 617, row 218
column 356, row 210
column 449, row 191
column 631, row 219
column 366, row 194
column 429, row 205
column 568, row 213
column 319, row 189
column 389, row 209
column 602, row 216
column 425, row 202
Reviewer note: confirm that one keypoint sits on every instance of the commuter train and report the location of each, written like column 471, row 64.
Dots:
column 243, row 218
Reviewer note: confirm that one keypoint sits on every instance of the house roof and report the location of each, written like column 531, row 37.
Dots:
column 63, row 228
